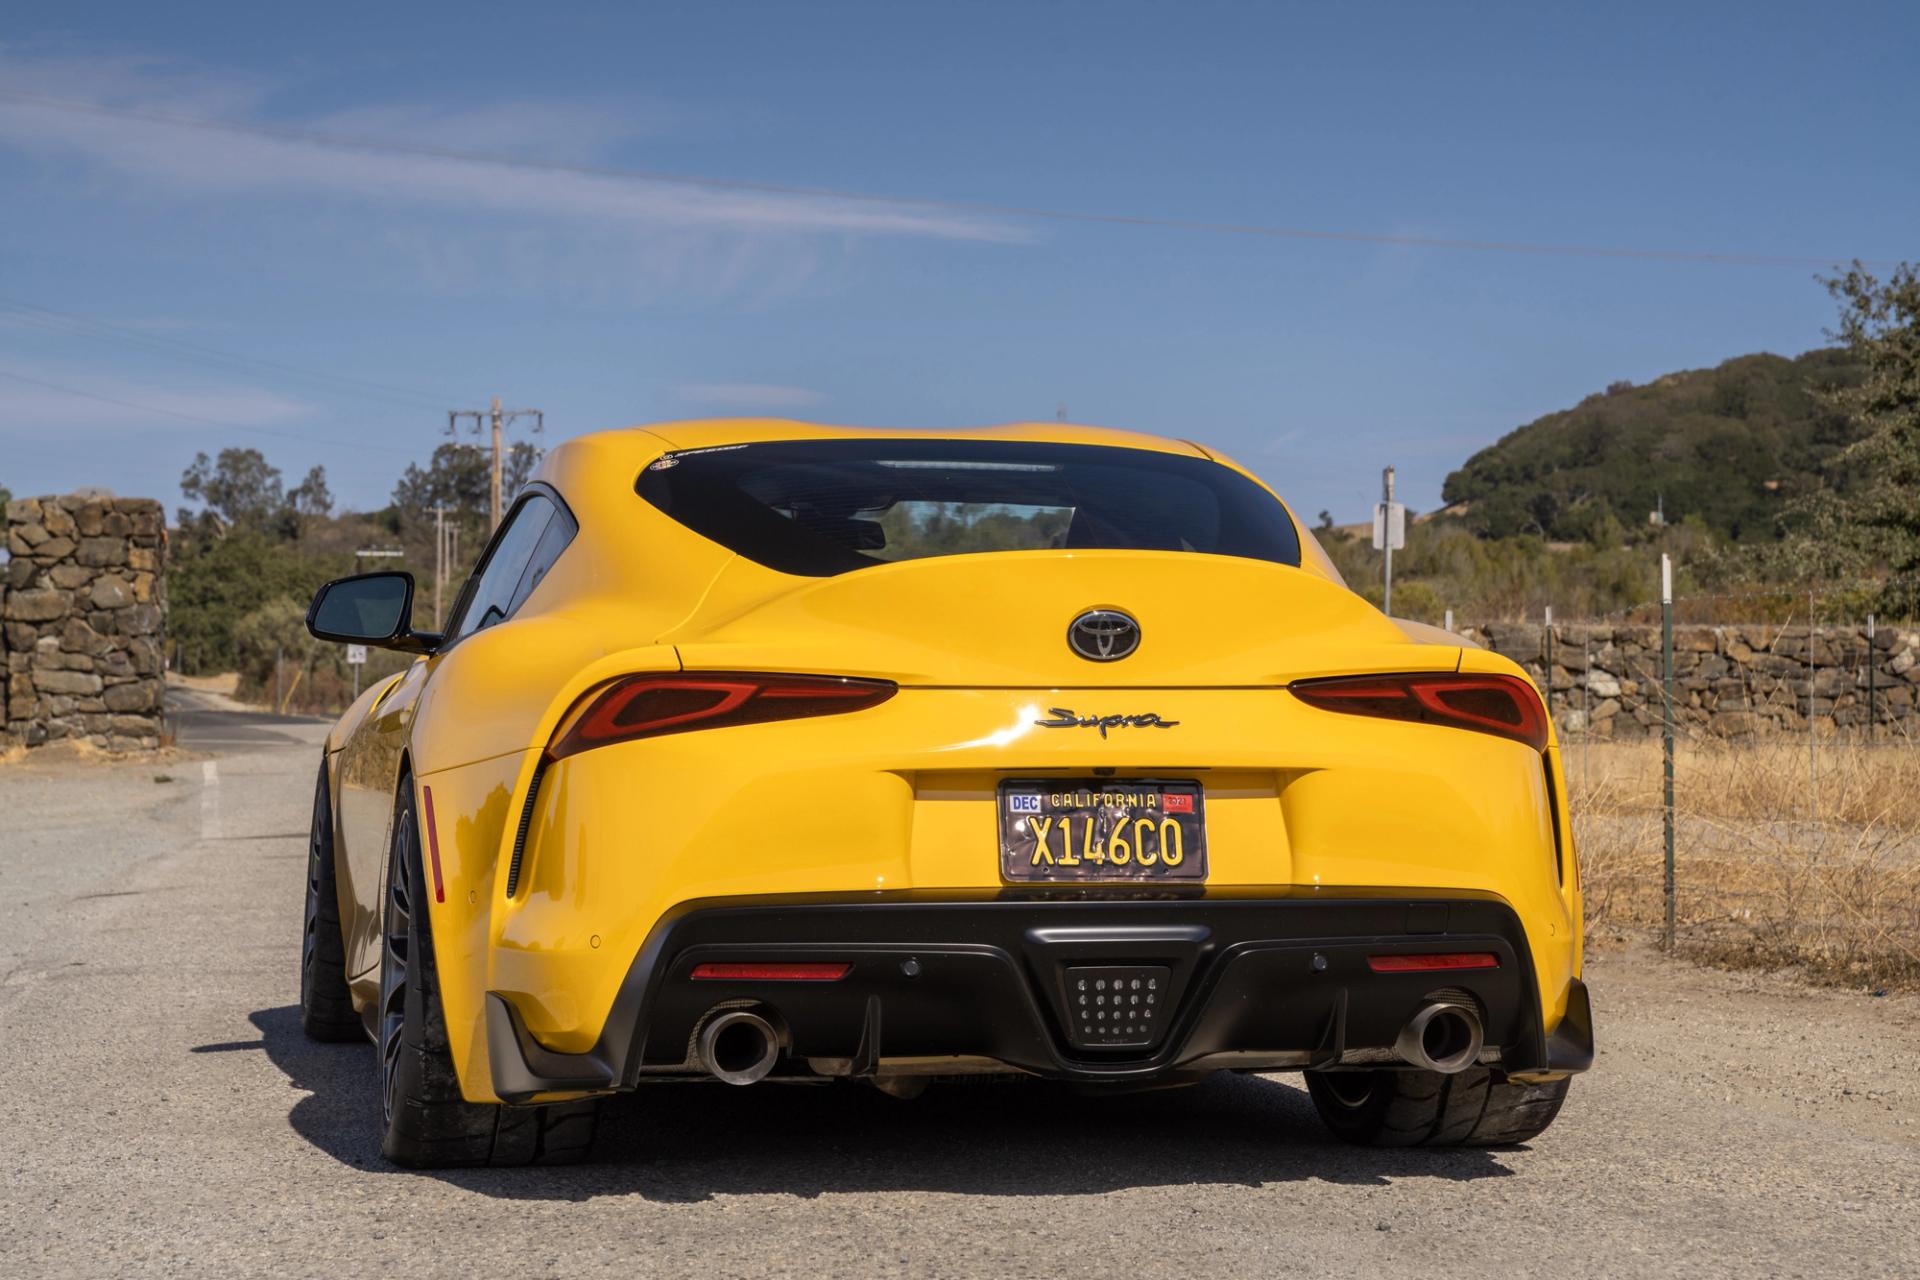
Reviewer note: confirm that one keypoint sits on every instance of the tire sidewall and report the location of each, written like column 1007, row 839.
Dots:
column 1352, row 1114
column 319, row 881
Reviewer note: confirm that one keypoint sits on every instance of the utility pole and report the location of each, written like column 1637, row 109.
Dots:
column 498, row 420
column 1389, row 533
column 446, row 558
column 439, row 558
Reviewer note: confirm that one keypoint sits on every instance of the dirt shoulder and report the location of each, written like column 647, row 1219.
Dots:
column 1787, row 1048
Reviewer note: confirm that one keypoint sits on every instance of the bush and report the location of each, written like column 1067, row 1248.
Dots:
column 275, row 653
column 214, row 585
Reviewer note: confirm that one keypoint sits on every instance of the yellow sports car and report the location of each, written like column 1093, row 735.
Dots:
column 763, row 750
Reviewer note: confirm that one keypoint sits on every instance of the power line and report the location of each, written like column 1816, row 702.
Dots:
column 47, row 318
column 191, row 417
column 314, row 137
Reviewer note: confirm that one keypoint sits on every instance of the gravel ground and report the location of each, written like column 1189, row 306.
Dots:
column 166, row 1115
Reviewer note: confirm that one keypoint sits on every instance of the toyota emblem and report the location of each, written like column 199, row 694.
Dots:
column 1103, row 635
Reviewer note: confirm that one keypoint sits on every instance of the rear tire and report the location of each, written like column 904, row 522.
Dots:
column 326, row 1007
column 426, row 1121
column 1471, row 1108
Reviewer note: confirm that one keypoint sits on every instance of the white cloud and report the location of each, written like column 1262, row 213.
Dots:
column 748, row 395
column 218, row 163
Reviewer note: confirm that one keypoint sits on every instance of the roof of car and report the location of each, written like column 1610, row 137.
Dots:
column 700, row 433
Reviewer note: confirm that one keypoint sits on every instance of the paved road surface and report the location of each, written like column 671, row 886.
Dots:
column 164, row 1115
column 208, row 722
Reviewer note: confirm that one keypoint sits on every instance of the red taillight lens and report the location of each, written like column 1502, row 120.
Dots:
column 1503, row 705
column 803, row 971
column 644, row 706
column 1433, row 963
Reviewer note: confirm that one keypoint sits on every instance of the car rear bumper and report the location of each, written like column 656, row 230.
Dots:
column 1264, row 978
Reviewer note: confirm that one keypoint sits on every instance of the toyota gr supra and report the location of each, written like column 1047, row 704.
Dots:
column 759, row 750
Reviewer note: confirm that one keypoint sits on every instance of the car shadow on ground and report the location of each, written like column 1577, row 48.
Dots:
column 688, row 1143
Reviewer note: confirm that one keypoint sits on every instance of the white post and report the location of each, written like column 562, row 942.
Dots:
column 1386, row 590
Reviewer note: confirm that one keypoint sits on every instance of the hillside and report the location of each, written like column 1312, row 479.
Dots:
column 1728, row 445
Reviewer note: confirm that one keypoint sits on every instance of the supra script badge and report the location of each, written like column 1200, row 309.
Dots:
column 1063, row 718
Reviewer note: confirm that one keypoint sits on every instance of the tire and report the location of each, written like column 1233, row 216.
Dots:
column 426, row 1122
column 326, row 1007
column 1472, row 1108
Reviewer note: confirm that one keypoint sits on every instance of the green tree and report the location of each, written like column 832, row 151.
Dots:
column 1868, row 518
column 241, row 487
column 312, row 497
column 460, row 477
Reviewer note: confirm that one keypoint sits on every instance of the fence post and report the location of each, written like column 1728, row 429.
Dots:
column 1546, row 671
column 1870, row 698
column 1813, row 751
column 1666, row 727
column 1586, row 707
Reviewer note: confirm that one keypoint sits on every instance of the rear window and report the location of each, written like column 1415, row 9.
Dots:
column 821, row 507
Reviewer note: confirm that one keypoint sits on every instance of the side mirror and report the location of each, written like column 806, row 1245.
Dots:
column 369, row 608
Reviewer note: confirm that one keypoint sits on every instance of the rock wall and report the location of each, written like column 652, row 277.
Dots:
column 1729, row 681
column 83, row 617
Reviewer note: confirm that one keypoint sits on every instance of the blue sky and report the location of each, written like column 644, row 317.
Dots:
column 166, row 251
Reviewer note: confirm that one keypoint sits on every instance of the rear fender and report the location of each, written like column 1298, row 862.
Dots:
column 468, row 816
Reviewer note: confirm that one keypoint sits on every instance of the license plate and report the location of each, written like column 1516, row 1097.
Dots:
column 1112, row 829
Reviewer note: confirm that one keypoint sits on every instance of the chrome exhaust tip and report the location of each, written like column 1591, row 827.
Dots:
column 738, row 1047
column 1443, row 1037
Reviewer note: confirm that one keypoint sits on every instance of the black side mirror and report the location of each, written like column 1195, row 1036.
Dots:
column 369, row 608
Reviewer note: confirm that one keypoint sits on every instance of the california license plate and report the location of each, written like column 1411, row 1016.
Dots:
column 1111, row 829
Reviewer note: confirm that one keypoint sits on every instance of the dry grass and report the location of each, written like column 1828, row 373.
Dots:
column 1775, row 865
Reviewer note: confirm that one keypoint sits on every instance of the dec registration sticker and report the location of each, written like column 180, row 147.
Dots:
column 1023, row 802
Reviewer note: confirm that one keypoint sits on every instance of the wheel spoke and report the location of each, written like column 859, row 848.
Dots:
column 395, row 972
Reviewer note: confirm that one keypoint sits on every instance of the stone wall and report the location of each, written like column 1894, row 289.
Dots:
column 83, row 616
column 1729, row 681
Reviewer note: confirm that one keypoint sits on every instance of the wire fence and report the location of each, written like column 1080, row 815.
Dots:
column 1743, row 773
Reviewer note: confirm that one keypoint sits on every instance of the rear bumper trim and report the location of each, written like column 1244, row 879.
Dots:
column 1276, row 974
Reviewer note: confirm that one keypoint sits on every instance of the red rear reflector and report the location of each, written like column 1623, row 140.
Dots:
column 1433, row 963
column 1503, row 705
column 806, row 971
column 644, row 706
column 433, row 846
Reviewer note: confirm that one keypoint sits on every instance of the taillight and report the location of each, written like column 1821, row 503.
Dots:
column 1504, row 705
column 645, row 706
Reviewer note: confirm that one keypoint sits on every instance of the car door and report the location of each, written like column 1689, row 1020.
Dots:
column 368, row 775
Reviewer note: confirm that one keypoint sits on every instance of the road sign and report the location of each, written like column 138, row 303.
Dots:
column 1389, row 526
column 356, row 655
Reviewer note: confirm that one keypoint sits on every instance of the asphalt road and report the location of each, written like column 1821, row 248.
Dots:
column 163, row 1114
column 209, row 722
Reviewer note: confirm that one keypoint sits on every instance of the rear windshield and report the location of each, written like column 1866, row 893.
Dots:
column 821, row 507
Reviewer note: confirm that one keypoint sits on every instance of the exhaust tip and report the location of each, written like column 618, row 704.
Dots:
column 738, row 1047
column 1442, row 1037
